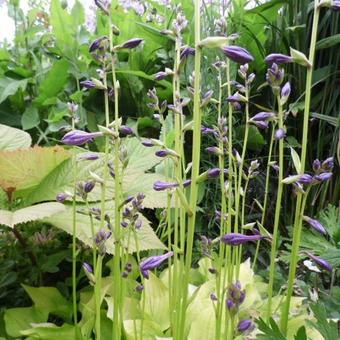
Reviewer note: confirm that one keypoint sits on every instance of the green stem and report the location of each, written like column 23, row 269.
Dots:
column 74, row 243
column 97, row 293
column 277, row 214
column 298, row 211
column 195, row 167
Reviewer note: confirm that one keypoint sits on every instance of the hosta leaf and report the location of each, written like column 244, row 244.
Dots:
column 51, row 332
column 23, row 170
column 147, row 238
column 150, row 329
column 33, row 213
column 157, row 301
column 13, row 139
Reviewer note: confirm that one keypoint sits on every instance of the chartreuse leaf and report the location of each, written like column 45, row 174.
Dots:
column 18, row 319
column 49, row 331
column 157, row 301
column 13, row 139
column 271, row 331
column 50, row 300
column 22, row 170
column 296, row 160
column 33, row 213
column 150, row 329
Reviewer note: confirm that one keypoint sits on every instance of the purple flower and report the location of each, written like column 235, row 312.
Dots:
column 148, row 143
column 97, row 44
column 325, row 176
column 335, row 5
column 315, row 224
column 88, row 186
column 328, row 164
column 78, row 137
column 206, row 130
column 139, row 288
column 213, row 297
column 88, row 157
column 187, row 51
column 231, row 305
column 285, row 92
column 244, row 325
column 88, row 268
column 160, row 75
column 160, row 186
column 237, row 54
column 186, row 183
column 274, row 77
column 88, row 84
column 153, row 262
column 235, row 239
column 213, row 173
column 213, row 150
column 278, row 58
column 262, row 116
column 236, row 98
column 280, row 134
column 321, row 262
column 162, row 153
column 262, row 124
column 104, row 5
column 132, row 43
column 101, row 237
column 126, row 130
column 316, row 165
column 306, row 179
column 61, row 197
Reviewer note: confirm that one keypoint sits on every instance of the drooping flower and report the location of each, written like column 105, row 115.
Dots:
column 61, row 197
column 236, row 98
column 88, row 186
column 278, row 58
column 235, row 239
column 328, row 164
column 152, row 263
column 88, row 84
column 132, row 43
column 78, row 137
column 98, row 43
column 126, row 130
column 186, row 52
column 306, row 179
column 280, row 134
column 323, row 177
column 285, row 92
column 238, row 54
column 160, row 186
column 321, row 262
column 263, row 116
column 161, row 75
column 214, row 150
column 315, row 224
column 88, row 157
column 213, row 173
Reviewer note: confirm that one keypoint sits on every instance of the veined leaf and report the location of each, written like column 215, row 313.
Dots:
column 9, row 87
column 13, row 139
column 33, row 213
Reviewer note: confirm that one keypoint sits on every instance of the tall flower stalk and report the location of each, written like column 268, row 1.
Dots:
column 299, row 211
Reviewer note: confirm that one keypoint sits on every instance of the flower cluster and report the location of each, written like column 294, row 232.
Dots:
column 235, row 297
column 133, row 206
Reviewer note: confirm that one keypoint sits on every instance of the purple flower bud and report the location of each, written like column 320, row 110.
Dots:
column 132, row 43
column 280, row 134
column 214, row 150
column 153, row 262
column 88, row 84
column 124, row 224
column 126, row 130
column 160, row 75
column 88, row 186
column 325, row 176
column 148, row 143
column 316, row 165
column 328, row 164
column 124, row 275
column 315, row 224
column 88, row 268
column 262, row 116
column 160, row 186
column 262, row 124
column 321, row 262
column 139, row 288
column 278, row 58
column 236, row 98
column 237, row 54
column 97, row 44
column 244, row 325
column 162, row 153
column 206, row 130
column 235, row 239
column 306, row 179
column 157, row 117
column 213, row 297
column 61, row 197
column 213, row 173
column 138, row 224
column 285, row 92
column 78, row 137
column 104, row 5
column 88, row 157
column 186, row 183
column 231, row 305
column 335, row 5
column 186, row 52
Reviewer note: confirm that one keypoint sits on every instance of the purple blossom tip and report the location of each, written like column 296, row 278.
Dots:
column 262, row 116
column 244, row 325
column 323, row 177
column 88, row 186
column 213, row 150
column 78, row 137
column 278, row 58
column 126, row 130
column 148, row 143
column 132, row 43
column 316, row 225
column 186, row 183
column 61, row 197
column 213, row 173
column 186, row 52
column 237, row 54
column 280, row 134
column 88, row 84
column 97, row 44
column 321, row 262
column 306, row 179
column 152, row 263
column 87, row 267
column 88, row 157
column 235, row 239
column 160, row 75
column 328, row 164
column 161, row 186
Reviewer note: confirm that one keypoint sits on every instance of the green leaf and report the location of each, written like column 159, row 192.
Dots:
column 328, row 42
column 49, row 331
column 19, row 319
column 255, row 138
column 9, row 87
column 328, row 329
column 54, row 81
column 296, row 160
column 33, row 213
column 271, row 332
column 150, row 329
column 13, row 139
column 30, row 118
column 301, row 334
column 157, row 301
column 50, row 300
